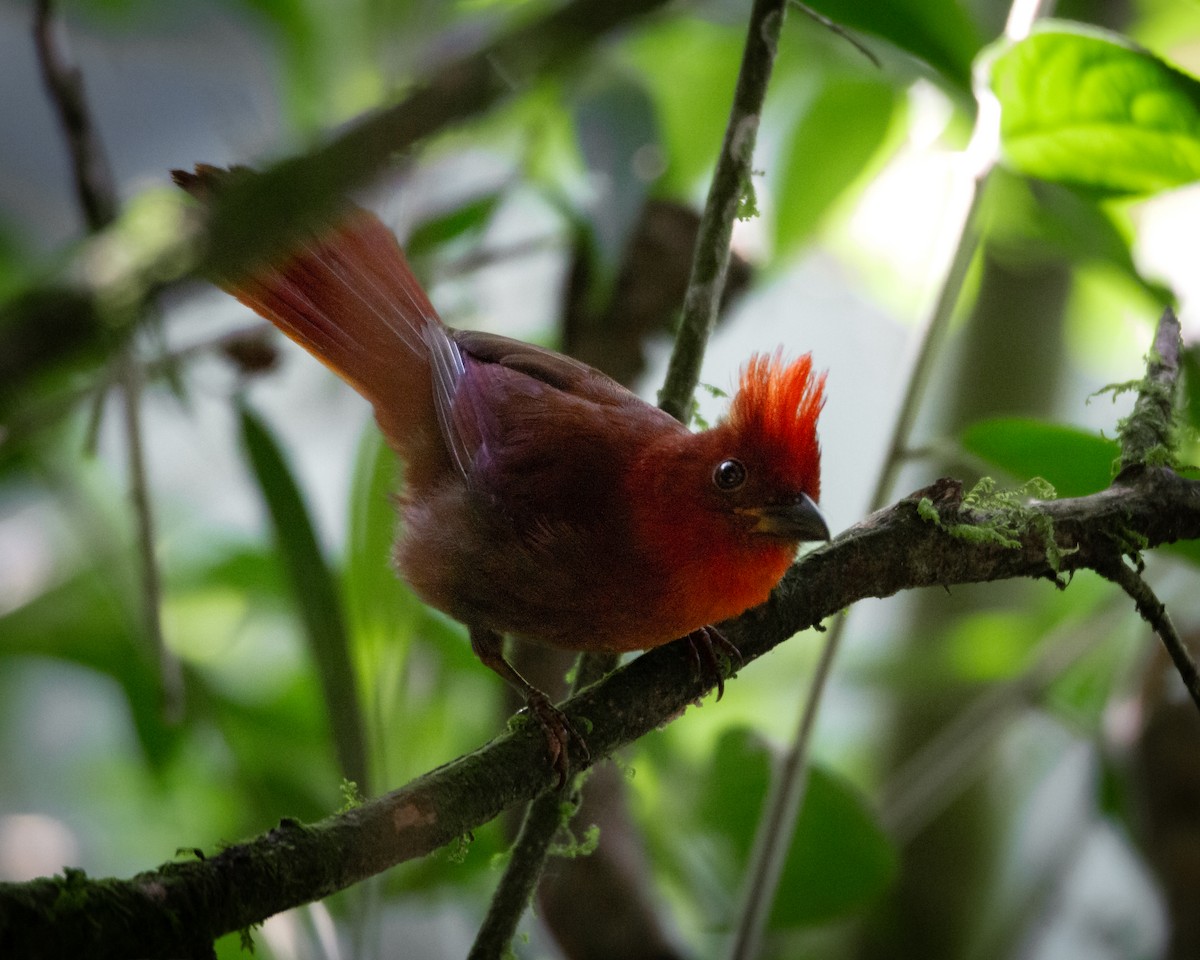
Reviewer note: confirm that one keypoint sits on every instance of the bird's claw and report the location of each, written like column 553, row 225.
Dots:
column 559, row 731
column 704, row 644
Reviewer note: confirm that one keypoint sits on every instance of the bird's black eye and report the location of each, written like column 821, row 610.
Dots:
column 729, row 475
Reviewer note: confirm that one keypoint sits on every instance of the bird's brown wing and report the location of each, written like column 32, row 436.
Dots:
column 553, row 369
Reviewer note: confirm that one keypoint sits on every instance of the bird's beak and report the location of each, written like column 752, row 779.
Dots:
column 798, row 519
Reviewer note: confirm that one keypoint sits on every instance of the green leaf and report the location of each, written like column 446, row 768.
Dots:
column 839, row 860
column 467, row 219
column 88, row 619
column 1074, row 461
column 1090, row 110
column 939, row 32
column 377, row 601
column 1036, row 220
column 315, row 592
column 690, row 67
column 617, row 128
column 826, row 154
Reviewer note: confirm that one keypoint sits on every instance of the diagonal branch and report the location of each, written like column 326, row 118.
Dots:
column 180, row 908
column 54, row 323
column 1155, row 613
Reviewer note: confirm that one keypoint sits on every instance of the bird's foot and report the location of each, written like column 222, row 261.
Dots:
column 704, row 644
column 559, row 731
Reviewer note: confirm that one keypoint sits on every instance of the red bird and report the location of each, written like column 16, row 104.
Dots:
column 542, row 498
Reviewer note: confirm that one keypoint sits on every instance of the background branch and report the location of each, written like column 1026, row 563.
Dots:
column 97, row 192
column 64, row 320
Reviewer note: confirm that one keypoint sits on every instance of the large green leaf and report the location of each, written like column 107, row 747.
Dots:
column 1074, row 461
column 826, row 154
column 315, row 592
column 839, row 860
column 939, row 32
column 1090, row 110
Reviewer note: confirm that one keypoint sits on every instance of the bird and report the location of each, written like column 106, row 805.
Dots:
column 541, row 499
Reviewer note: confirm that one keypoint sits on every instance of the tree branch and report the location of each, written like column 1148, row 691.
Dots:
column 1147, row 433
column 543, row 819
column 99, row 203
column 1155, row 613
column 180, row 908
column 51, row 324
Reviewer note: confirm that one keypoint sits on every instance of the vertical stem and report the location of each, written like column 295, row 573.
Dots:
column 97, row 194
column 543, row 818
column 788, row 791
column 731, row 183
column 170, row 672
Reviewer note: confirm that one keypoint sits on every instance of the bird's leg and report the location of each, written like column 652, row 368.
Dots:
column 489, row 648
column 703, row 644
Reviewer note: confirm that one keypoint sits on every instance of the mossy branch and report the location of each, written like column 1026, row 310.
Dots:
column 180, row 908
column 1148, row 434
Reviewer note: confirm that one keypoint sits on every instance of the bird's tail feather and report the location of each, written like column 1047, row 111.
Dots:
column 347, row 296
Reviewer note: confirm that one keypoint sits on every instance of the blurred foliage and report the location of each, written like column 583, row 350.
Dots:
column 302, row 646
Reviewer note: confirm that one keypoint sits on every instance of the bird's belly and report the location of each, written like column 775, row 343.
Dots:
column 568, row 588
column 559, row 588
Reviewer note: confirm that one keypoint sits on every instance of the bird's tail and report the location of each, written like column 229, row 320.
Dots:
column 347, row 296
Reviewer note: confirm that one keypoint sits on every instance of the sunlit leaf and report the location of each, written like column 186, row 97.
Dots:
column 1090, row 110
column 315, row 592
column 1074, row 461
column 826, row 154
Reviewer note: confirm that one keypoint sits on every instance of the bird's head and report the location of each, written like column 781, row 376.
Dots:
column 766, row 459
column 723, row 511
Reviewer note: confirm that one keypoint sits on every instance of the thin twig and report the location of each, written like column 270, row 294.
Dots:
column 543, row 819
column 97, row 193
column 791, row 782
column 731, row 184
column 834, row 27
column 1155, row 613
column 93, row 178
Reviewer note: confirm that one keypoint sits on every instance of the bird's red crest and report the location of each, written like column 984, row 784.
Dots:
column 776, row 410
